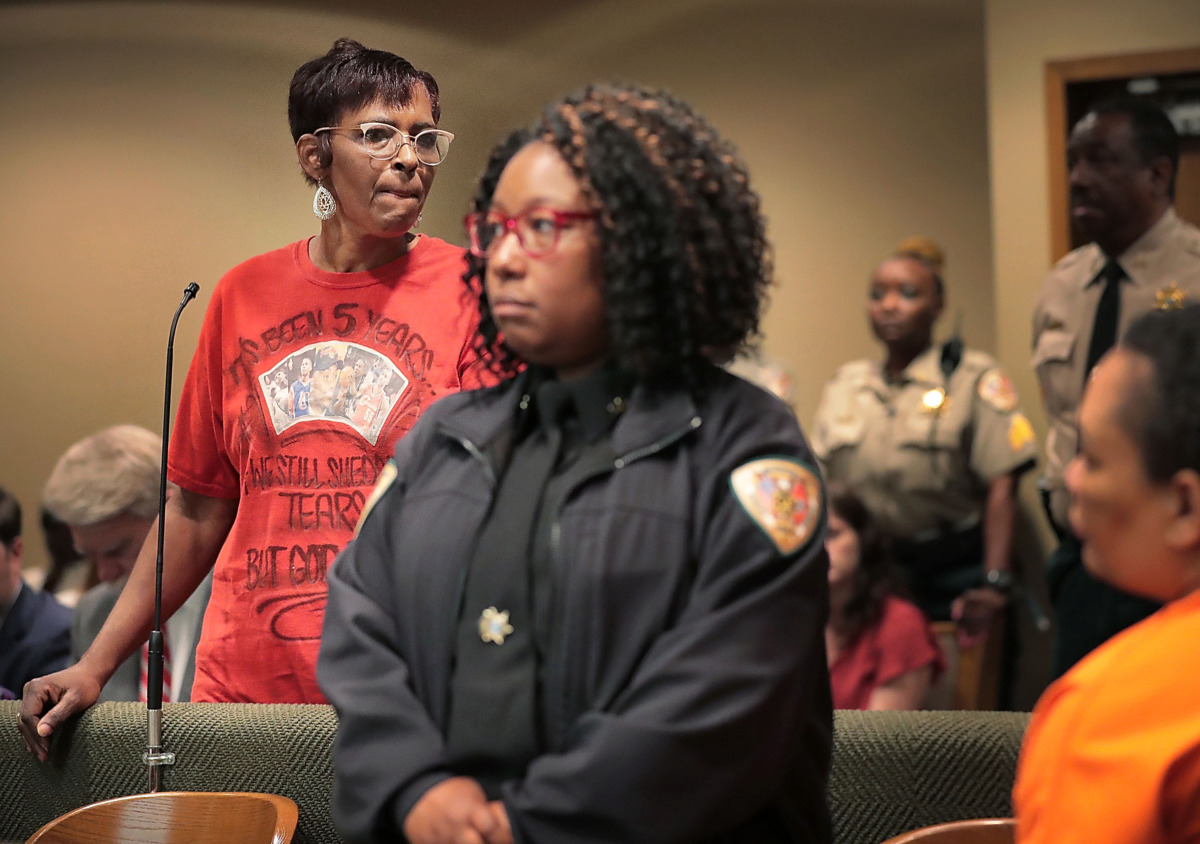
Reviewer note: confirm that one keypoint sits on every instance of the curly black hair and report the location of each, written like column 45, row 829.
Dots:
column 685, row 257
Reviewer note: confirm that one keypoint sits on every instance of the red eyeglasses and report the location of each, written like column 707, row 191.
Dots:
column 537, row 229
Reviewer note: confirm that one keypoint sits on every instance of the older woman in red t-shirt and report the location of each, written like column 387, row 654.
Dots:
column 882, row 654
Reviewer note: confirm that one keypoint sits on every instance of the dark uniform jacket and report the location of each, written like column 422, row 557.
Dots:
column 690, row 695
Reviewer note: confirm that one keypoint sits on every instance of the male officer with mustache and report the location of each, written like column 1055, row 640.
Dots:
column 1122, row 159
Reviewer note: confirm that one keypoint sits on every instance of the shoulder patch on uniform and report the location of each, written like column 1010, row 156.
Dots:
column 782, row 496
column 997, row 391
column 387, row 477
column 1020, row 432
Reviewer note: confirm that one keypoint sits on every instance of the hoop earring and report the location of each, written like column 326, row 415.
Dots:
column 324, row 205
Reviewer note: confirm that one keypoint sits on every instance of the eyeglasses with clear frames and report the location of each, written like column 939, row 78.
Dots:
column 382, row 141
column 537, row 229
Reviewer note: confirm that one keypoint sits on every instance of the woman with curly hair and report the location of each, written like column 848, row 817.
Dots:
column 587, row 604
column 882, row 654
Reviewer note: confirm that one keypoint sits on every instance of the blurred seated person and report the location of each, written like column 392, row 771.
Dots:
column 105, row 488
column 70, row 574
column 769, row 373
column 882, row 654
column 931, row 439
column 35, row 629
column 1112, row 753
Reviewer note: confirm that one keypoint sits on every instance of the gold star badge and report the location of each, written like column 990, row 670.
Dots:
column 494, row 626
column 1170, row 297
column 934, row 401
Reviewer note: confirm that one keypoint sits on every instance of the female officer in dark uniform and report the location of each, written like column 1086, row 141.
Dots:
column 588, row 603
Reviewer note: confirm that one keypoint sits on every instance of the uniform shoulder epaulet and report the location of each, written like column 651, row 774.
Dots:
column 855, row 370
column 387, row 477
column 1189, row 237
column 977, row 362
column 783, row 496
column 1073, row 257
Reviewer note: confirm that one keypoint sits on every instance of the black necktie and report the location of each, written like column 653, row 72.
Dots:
column 1108, row 314
column 492, row 731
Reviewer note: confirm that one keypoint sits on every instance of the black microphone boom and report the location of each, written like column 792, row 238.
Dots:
column 154, row 757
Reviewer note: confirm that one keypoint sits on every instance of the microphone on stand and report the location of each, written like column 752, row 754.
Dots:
column 154, row 756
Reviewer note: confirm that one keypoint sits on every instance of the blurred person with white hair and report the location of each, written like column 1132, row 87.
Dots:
column 106, row 487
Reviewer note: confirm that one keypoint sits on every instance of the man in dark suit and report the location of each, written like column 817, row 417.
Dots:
column 35, row 629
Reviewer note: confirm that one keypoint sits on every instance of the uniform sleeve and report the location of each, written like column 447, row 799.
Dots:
column 817, row 436
column 906, row 643
column 728, row 704
column 388, row 751
column 197, row 459
column 1003, row 439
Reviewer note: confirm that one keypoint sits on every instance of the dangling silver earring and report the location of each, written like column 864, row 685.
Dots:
column 324, row 205
column 418, row 222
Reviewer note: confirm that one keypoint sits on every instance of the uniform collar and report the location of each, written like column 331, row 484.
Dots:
column 651, row 416
column 1133, row 259
column 1153, row 238
column 596, row 400
column 923, row 369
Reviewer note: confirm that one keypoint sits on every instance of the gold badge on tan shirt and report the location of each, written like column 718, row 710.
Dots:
column 934, row 402
column 387, row 476
column 997, row 391
column 1020, row 432
column 1170, row 298
column 494, row 626
column 782, row 496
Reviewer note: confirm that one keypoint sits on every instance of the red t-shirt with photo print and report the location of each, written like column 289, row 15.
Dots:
column 302, row 382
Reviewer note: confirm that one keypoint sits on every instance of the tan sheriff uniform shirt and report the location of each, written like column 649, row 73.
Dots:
column 1162, row 269
column 920, row 462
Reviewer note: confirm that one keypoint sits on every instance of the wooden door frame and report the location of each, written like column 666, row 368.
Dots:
column 1060, row 74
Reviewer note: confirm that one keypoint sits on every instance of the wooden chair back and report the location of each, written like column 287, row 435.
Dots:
column 175, row 817
column 981, row 831
column 972, row 677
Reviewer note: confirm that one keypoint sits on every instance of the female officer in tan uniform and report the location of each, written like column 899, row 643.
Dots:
column 933, row 443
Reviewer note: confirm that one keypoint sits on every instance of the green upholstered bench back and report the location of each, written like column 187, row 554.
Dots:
column 891, row 771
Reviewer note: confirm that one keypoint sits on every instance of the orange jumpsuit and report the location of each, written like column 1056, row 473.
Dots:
column 1112, row 753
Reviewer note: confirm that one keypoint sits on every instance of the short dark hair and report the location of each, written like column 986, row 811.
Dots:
column 1154, row 135
column 685, row 257
column 348, row 77
column 10, row 518
column 1163, row 415
column 877, row 575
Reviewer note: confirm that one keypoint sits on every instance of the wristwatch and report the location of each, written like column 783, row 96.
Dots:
column 999, row 579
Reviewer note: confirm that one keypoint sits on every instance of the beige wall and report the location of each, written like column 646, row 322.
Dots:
column 146, row 147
